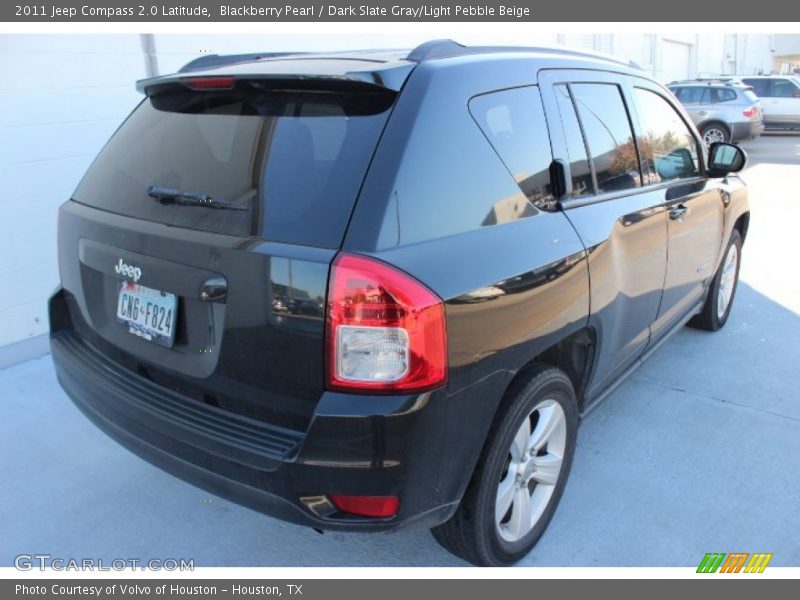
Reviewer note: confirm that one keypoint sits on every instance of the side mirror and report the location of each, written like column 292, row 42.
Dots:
column 724, row 158
column 796, row 94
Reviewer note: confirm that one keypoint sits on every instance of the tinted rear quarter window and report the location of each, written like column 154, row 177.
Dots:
column 722, row 95
column 608, row 135
column 293, row 160
column 513, row 122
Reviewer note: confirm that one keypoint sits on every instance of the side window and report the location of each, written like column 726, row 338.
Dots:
column 608, row 135
column 783, row 88
column 722, row 95
column 576, row 148
column 693, row 95
column 679, row 92
column 514, row 123
column 760, row 86
column 667, row 146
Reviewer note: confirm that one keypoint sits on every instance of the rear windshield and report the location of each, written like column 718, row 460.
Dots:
column 286, row 164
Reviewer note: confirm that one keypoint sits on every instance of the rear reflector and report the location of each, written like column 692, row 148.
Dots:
column 385, row 330
column 367, row 506
column 209, row 83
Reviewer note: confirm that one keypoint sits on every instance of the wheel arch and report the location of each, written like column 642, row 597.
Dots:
column 742, row 225
column 718, row 122
column 573, row 354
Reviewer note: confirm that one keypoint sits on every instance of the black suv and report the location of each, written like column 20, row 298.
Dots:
column 371, row 290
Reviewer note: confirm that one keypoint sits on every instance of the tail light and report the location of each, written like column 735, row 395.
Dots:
column 385, row 330
column 751, row 112
column 209, row 83
column 367, row 506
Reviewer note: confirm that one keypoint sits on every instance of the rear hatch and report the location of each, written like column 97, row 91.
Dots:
column 196, row 249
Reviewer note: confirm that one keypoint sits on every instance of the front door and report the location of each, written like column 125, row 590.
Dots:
column 671, row 160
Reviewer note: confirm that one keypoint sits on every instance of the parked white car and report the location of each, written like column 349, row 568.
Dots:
column 780, row 99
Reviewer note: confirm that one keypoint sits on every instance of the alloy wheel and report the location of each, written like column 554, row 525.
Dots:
column 714, row 134
column 531, row 470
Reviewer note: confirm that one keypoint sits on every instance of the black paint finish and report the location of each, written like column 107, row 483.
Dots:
column 239, row 406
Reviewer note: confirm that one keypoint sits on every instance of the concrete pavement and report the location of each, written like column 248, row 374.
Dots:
column 698, row 452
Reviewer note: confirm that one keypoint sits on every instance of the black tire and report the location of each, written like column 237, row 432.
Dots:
column 472, row 533
column 716, row 126
column 710, row 318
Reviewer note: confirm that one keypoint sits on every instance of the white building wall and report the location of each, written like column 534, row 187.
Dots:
column 62, row 96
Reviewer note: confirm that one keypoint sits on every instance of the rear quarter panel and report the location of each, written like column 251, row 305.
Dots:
column 511, row 289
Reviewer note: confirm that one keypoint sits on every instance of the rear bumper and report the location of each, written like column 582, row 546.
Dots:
column 359, row 445
column 746, row 130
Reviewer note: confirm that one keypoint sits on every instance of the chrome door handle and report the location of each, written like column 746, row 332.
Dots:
column 678, row 212
column 215, row 289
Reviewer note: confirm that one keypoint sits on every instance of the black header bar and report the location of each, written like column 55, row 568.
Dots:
column 276, row 11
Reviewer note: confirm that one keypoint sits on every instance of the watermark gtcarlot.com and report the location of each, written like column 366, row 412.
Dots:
column 43, row 562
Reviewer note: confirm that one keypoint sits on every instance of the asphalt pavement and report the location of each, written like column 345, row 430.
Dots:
column 699, row 451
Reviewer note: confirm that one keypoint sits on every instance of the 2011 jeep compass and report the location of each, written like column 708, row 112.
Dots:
column 370, row 290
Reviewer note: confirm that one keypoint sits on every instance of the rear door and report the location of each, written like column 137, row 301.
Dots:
column 672, row 163
column 623, row 226
column 784, row 100
column 196, row 249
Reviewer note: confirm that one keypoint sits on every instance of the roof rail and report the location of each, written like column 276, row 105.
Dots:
column 210, row 61
column 435, row 49
column 709, row 80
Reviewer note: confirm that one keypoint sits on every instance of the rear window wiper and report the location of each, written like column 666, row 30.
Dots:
column 165, row 195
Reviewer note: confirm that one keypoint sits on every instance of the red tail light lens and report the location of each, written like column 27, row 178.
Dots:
column 209, row 83
column 750, row 112
column 386, row 331
column 367, row 506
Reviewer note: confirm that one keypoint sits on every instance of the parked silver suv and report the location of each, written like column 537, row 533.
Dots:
column 724, row 111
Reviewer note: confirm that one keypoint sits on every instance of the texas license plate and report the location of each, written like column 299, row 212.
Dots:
column 147, row 313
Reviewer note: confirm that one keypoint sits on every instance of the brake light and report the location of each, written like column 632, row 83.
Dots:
column 386, row 331
column 367, row 506
column 209, row 83
column 750, row 112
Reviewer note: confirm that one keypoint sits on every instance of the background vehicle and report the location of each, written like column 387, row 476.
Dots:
column 780, row 97
column 353, row 291
column 723, row 111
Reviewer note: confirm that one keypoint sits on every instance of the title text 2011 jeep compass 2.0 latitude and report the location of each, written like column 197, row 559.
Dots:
column 377, row 289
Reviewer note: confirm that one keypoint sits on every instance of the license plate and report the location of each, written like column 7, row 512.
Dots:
column 147, row 313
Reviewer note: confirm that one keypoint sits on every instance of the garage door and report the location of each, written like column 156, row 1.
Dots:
column 675, row 60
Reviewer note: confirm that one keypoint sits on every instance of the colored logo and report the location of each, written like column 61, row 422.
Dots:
column 736, row 562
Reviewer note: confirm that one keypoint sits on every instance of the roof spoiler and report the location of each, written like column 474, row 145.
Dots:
column 351, row 82
column 211, row 61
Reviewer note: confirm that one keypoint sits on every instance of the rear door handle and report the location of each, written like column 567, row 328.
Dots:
column 678, row 212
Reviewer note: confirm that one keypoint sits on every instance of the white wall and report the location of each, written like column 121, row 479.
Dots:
column 62, row 96
column 176, row 50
